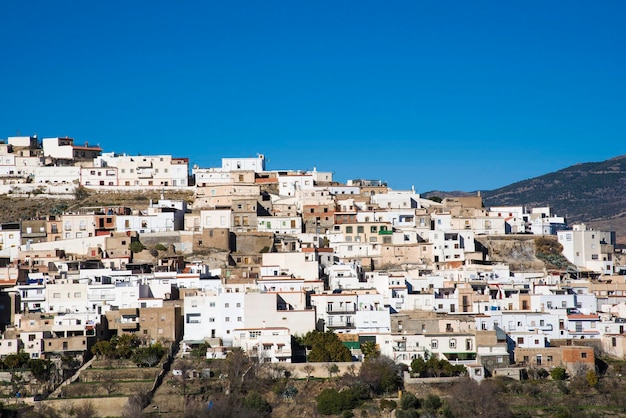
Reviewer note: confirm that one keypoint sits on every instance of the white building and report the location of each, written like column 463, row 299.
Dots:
column 588, row 248
column 247, row 164
column 57, row 175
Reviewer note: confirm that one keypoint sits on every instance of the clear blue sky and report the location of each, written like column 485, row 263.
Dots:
column 454, row 95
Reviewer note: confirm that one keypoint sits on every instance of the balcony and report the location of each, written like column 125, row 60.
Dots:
column 341, row 324
column 411, row 348
column 127, row 323
column 333, row 310
column 543, row 328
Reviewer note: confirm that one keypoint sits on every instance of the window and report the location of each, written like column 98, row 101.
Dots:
column 583, row 355
column 348, row 229
column 453, row 343
column 227, row 319
column 434, row 343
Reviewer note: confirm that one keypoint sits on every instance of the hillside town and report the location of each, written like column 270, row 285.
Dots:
column 259, row 256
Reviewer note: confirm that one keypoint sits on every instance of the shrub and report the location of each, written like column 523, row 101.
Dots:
column 388, row 405
column 136, row 247
column 409, row 401
column 332, row 402
column 411, row 413
column 432, row 402
column 329, row 402
column 592, row 378
column 558, row 373
column 257, row 403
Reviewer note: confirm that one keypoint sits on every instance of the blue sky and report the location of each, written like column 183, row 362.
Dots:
column 437, row 95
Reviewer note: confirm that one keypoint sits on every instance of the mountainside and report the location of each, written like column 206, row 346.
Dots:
column 583, row 192
column 593, row 193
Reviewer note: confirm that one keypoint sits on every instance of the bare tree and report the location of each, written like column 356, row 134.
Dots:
column 108, row 382
column 308, row 369
column 332, row 369
column 135, row 405
column 469, row 398
column 85, row 410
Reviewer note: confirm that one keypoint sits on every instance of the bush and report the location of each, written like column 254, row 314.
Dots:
column 257, row 403
column 411, row 413
column 592, row 378
column 388, row 405
column 432, row 402
column 332, row 402
column 409, row 401
column 558, row 373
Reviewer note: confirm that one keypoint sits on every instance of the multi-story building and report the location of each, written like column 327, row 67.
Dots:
column 588, row 248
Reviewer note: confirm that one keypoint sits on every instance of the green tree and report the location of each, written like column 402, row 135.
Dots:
column 16, row 361
column 326, row 347
column 436, row 367
column 103, row 348
column 148, row 356
column 418, row 366
column 199, row 352
column 125, row 344
column 136, row 247
column 369, row 349
column 41, row 370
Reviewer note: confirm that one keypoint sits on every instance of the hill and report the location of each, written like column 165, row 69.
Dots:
column 593, row 193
